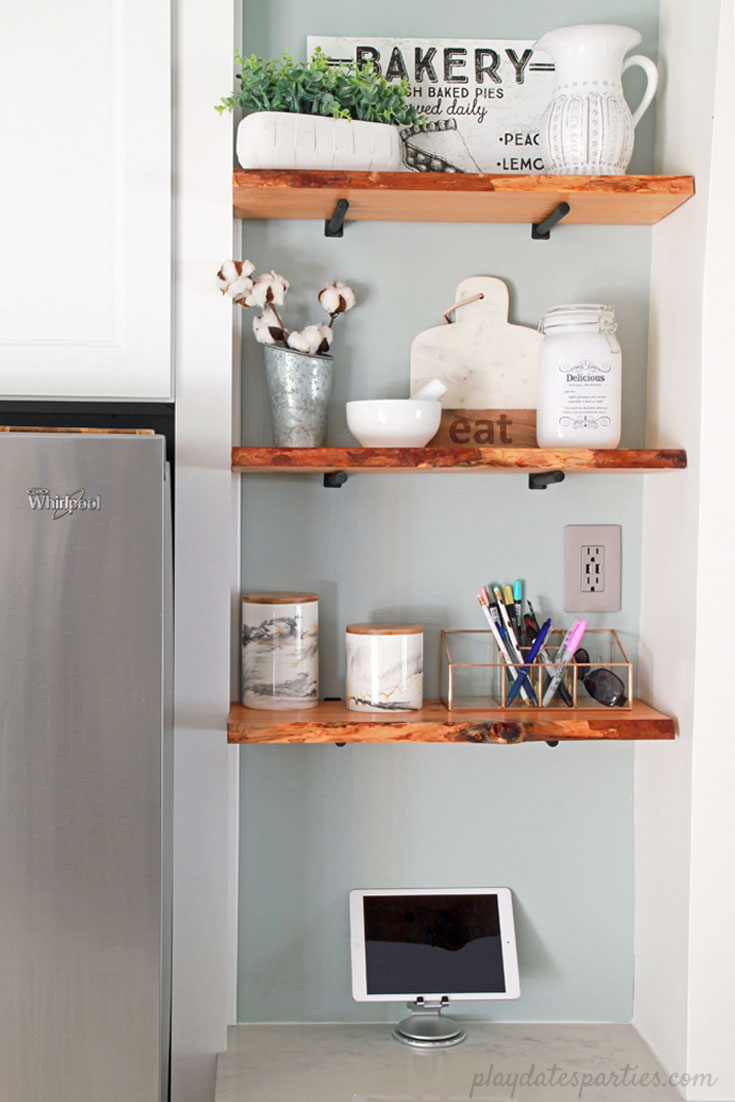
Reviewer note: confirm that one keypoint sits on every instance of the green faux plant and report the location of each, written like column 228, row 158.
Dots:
column 317, row 87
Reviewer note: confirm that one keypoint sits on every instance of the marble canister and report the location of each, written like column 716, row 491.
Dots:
column 385, row 667
column 280, row 650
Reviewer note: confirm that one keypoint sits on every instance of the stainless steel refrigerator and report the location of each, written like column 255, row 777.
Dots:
column 84, row 767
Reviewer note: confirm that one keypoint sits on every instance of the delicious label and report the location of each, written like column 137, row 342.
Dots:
column 585, row 401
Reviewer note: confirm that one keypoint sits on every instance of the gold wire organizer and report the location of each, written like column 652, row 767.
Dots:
column 473, row 676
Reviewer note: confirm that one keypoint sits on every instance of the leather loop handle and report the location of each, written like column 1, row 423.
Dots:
column 464, row 302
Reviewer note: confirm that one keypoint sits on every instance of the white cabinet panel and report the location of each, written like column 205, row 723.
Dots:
column 85, row 134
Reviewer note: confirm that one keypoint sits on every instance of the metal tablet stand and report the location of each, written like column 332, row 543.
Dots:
column 425, row 1027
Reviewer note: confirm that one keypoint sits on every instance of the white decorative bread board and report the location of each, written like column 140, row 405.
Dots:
column 485, row 362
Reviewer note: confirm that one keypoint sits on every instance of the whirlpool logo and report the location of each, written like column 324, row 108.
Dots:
column 62, row 505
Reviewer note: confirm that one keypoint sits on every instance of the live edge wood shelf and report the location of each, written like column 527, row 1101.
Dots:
column 326, row 460
column 332, row 721
column 439, row 197
column 460, row 197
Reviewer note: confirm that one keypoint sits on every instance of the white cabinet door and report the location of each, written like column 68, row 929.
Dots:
column 85, row 200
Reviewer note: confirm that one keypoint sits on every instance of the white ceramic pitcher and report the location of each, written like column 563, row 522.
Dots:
column 588, row 127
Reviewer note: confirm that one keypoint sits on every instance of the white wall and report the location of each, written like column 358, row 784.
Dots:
column 683, row 947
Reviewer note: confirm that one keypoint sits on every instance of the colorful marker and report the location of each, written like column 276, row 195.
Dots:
column 505, row 644
column 533, row 630
column 498, row 636
column 508, row 598
column 518, row 606
column 507, row 623
column 564, row 655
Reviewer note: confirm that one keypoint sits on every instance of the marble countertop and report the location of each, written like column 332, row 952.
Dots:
column 497, row 1063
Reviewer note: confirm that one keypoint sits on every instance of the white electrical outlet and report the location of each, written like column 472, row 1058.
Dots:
column 592, row 561
column 592, row 573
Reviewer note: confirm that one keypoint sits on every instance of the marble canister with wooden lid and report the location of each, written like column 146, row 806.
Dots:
column 385, row 667
column 280, row 650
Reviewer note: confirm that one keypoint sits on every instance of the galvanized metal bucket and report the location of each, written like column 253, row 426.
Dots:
column 299, row 386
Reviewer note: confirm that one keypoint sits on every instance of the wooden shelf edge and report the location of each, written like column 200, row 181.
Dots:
column 323, row 460
column 528, row 182
column 332, row 722
column 458, row 197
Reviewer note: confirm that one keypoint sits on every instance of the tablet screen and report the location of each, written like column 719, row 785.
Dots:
column 438, row 943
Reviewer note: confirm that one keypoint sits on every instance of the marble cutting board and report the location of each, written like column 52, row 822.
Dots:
column 485, row 362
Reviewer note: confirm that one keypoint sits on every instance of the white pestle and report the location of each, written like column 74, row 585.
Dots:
column 430, row 392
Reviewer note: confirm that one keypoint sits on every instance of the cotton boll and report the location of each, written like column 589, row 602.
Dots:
column 267, row 328
column 300, row 339
column 337, row 298
column 327, row 336
column 232, row 270
column 315, row 339
column 239, row 289
column 228, row 270
column 269, row 287
column 226, row 274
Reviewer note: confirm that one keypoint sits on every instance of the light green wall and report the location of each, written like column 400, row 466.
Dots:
column 555, row 825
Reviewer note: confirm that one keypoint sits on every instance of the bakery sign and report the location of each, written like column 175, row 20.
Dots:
column 483, row 100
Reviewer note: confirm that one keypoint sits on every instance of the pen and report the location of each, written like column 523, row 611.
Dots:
column 518, row 605
column 508, row 597
column 564, row 655
column 505, row 625
column 501, row 641
column 538, row 644
column 533, row 630
column 495, row 630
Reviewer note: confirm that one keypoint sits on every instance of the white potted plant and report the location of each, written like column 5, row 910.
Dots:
column 318, row 115
column 297, row 362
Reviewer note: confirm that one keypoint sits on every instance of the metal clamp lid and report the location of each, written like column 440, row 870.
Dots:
column 584, row 315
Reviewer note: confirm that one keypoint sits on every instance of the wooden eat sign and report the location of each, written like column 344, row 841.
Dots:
column 488, row 428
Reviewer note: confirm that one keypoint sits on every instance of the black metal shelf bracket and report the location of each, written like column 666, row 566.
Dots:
column 541, row 231
column 335, row 479
column 541, row 479
column 334, row 226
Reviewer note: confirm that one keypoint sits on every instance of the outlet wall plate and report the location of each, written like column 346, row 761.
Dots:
column 592, row 567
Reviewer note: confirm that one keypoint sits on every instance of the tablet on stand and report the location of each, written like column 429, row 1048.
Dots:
column 430, row 946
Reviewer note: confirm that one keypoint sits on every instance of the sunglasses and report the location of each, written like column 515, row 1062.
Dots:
column 602, row 685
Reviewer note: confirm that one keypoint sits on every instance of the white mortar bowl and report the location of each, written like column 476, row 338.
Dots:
column 393, row 422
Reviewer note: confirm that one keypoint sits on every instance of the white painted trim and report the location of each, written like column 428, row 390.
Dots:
column 684, row 809
column 712, row 908
column 669, row 542
column 206, row 768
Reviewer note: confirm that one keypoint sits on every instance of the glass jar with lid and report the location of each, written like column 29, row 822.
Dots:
column 580, row 378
